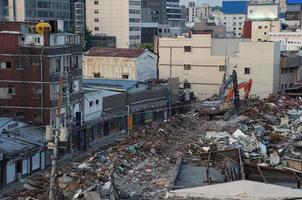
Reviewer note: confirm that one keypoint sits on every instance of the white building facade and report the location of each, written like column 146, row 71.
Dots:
column 118, row 18
column 233, row 22
column 290, row 41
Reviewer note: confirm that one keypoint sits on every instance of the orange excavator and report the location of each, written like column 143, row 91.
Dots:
column 226, row 104
column 247, row 86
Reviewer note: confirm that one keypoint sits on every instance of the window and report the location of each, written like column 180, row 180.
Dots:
column 187, row 85
column 132, row 11
column 37, row 117
column 134, row 37
column 96, row 75
column 5, row 65
column 259, row 27
column 97, row 102
column 96, row 11
column 11, row 91
column 247, row 70
column 90, row 104
column 134, row 29
column 125, row 76
column 19, row 114
column 96, row 28
column 136, row 20
column 265, row 27
column 96, row 19
column 222, row 68
column 187, row 67
column 134, row 3
column 259, row 40
column 18, row 65
column 96, row 2
column 187, row 48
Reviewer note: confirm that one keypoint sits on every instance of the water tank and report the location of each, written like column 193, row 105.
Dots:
column 41, row 26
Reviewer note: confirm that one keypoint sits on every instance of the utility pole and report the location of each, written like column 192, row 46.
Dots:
column 57, row 135
column 69, row 110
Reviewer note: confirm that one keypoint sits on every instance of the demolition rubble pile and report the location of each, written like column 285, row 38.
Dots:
column 145, row 164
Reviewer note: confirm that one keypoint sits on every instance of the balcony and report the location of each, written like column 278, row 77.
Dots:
column 56, row 40
column 290, row 61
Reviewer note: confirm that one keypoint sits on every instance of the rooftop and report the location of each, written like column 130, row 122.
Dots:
column 109, row 83
column 237, row 190
column 115, row 52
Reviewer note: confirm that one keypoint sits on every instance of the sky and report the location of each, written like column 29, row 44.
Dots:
column 211, row 2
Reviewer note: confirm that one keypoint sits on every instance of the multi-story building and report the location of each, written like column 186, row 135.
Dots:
column 264, row 19
column 192, row 61
column 31, row 66
column 201, row 62
column 259, row 61
column 153, row 15
column 154, row 11
column 119, row 18
column 28, row 10
column 290, row 41
column 233, row 17
column 78, row 17
column 174, row 16
column 198, row 13
column 192, row 12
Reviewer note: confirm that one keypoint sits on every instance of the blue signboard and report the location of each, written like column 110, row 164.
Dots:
column 294, row 2
column 234, row 7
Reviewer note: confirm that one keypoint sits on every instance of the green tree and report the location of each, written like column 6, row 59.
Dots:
column 149, row 46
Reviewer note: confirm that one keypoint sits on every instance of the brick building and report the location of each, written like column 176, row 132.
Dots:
column 30, row 67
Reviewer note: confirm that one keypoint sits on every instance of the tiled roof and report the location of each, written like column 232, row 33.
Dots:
column 115, row 52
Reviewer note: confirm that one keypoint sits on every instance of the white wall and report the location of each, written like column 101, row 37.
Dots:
column 261, row 29
column 113, row 19
column 146, row 67
column 263, row 60
column 92, row 110
column 204, row 76
column 290, row 41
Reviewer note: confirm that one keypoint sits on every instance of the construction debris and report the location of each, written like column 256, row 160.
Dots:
column 145, row 165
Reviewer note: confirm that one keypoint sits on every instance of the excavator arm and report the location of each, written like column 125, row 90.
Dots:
column 247, row 86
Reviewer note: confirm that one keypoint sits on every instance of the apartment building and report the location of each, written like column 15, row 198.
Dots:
column 192, row 61
column 118, row 18
column 264, row 19
column 290, row 41
column 175, row 20
column 201, row 62
column 31, row 66
column 232, row 16
column 78, row 16
column 259, row 61
column 28, row 10
column 153, row 16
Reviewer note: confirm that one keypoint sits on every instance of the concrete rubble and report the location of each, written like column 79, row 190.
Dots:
column 145, row 165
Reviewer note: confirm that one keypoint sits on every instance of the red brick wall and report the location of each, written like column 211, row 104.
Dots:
column 10, row 26
column 9, row 43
